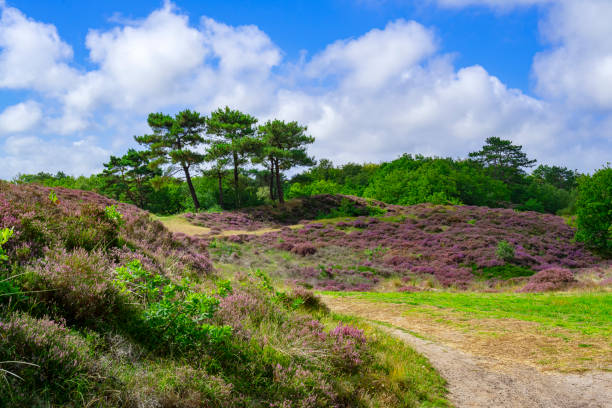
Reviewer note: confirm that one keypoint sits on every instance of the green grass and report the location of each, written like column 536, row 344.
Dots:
column 398, row 376
column 585, row 313
column 506, row 271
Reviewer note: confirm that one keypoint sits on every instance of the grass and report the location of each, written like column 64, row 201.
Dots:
column 400, row 376
column 584, row 313
column 178, row 223
column 568, row 332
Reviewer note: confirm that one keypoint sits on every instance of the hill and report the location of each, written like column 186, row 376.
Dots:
column 417, row 246
column 102, row 306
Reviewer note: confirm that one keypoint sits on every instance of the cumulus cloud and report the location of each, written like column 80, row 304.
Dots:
column 498, row 4
column 372, row 97
column 578, row 67
column 31, row 154
column 421, row 104
column 375, row 58
column 19, row 118
column 32, row 55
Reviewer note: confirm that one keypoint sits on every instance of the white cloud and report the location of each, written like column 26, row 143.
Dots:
column 497, row 4
column 32, row 56
column 375, row 58
column 20, row 118
column 30, row 154
column 578, row 68
column 423, row 106
column 162, row 61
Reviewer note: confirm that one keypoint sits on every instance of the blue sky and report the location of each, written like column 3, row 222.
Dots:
column 503, row 42
column 371, row 78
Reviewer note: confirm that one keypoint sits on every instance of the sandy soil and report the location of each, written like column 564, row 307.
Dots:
column 485, row 381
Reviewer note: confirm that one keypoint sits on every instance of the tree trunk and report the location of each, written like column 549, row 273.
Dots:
column 196, row 203
column 279, row 185
column 272, row 195
column 237, row 195
column 220, row 176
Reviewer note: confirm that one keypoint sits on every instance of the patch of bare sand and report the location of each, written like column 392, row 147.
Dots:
column 499, row 368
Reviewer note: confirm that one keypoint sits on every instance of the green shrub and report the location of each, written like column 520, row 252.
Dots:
column 174, row 314
column 594, row 210
column 5, row 235
column 348, row 208
column 505, row 251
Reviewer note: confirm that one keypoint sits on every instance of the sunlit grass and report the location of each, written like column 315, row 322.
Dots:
column 586, row 313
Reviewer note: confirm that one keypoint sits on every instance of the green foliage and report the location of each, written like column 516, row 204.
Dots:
column 374, row 253
column 504, row 160
column 315, row 188
column 559, row 177
column 53, row 197
column 112, row 214
column 224, row 247
column 233, row 141
column 506, row 271
column 175, row 313
column 130, row 177
column 283, row 145
column 505, row 251
column 5, row 235
column 348, row 208
column 93, row 228
column 594, row 210
column 175, row 141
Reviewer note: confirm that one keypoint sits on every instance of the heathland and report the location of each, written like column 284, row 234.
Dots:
column 158, row 283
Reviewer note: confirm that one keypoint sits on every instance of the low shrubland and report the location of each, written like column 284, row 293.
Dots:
column 102, row 306
column 421, row 246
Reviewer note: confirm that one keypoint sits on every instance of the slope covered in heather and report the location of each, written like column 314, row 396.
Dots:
column 417, row 246
column 102, row 306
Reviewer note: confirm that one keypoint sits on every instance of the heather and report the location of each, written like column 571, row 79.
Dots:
column 101, row 305
column 422, row 245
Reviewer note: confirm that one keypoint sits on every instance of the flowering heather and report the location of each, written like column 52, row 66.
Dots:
column 549, row 279
column 78, row 220
column 55, row 358
column 78, row 283
column 304, row 249
column 226, row 221
column 140, row 318
column 349, row 345
column 450, row 243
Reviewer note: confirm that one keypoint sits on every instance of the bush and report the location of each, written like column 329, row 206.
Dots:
column 549, row 279
column 77, row 285
column 505, row 251
column 54, row 364
column 304, row 249
column 594, row 210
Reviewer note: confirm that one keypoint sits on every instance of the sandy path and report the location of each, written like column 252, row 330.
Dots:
column 479, row 381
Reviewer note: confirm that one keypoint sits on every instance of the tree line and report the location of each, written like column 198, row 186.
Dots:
column 225, row 161
column 226, row 140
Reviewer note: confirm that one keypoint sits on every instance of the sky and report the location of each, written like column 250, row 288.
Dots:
column 371, row 79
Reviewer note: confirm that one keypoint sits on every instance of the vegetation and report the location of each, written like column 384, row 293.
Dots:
column 586, row 313
column 174, row 141
column 118, row 311
column 493, row 177
column 594, row 210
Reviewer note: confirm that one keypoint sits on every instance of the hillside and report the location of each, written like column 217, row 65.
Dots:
column 102, row 306
column 410, row 247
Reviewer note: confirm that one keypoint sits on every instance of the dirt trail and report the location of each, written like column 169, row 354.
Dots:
column 483, row 381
